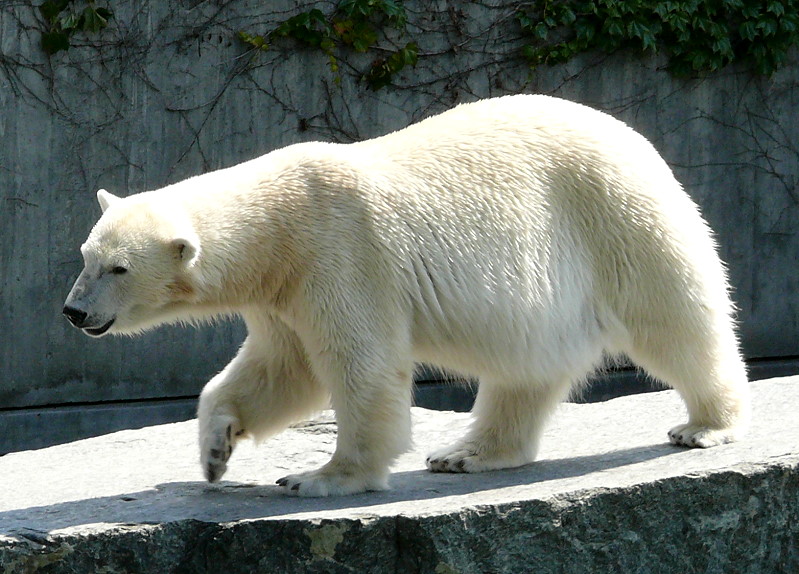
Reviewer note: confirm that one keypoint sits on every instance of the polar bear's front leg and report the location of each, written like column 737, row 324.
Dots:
column 374, row 427
column 266, row 387
column 220, row 425
column 371, row 395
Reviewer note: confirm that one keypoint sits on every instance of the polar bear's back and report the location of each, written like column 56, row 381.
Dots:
column 527, row 137
column 529, row 154
column 540, row 172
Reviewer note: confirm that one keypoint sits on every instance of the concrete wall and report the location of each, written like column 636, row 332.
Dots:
column 167, row 91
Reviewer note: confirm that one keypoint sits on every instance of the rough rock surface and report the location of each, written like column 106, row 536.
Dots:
column 609, row 494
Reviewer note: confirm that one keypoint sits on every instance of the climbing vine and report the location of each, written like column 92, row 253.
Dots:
column 699, row 36
column 355, row 25
column 63, row 18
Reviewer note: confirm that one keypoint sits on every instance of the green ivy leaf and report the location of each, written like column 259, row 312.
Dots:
column 53, row 42
column 92, row 20
column 531, row 54
column 748, row 30
column 723, row 47
column 409, row 55
column 699, row 60
column 51, row 9
column 382, row 72
column 691, row 6
column 364, row 36
column 648, row 41
column 310, row 28
column 567, row 16
column 775, row 8
column 732, row 5
column 396, row 13
column 636, row 29
column 378, row 76
column 70, row 22
column 662, row 9
column 768, row 26
column 585, row 31
column 788, row 24
column 104, row 13
column 257, row 42
column 390, row 10
column 327, row 45
column 614, row 27
column 751, row 10
column 678, row 21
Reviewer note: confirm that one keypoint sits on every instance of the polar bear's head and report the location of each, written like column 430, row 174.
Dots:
column 138, row 264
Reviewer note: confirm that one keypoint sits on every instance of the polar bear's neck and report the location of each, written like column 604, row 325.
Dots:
column 253, row 229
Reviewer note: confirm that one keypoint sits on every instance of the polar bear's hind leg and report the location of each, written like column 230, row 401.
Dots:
column 707, row 370
column 507, row 427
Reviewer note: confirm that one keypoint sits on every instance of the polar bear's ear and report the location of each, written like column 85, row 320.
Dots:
column 106, row 199
column 186, row 250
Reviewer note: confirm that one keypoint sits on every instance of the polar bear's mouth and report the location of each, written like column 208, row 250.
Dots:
column 96, row 332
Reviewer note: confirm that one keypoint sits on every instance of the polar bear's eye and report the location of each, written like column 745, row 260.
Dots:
column 119, row 270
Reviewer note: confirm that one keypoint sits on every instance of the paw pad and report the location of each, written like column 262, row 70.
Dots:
column 217, row 450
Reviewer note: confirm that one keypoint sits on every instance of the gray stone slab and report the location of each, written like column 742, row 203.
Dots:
column 609, row 494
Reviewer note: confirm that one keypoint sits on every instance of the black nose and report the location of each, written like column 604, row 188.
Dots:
column 75, row 316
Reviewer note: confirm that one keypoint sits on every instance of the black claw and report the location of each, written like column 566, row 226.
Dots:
column 296, row 486
column 282, row 481
column 461, row 465
column 211, row 474
column 227, row 432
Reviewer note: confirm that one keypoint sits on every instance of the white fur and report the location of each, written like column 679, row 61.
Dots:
column 519, row 240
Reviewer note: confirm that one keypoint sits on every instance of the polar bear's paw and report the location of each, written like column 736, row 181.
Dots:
column 467, row 457
column 700, row 436
column 325, row 482
column 217, row 445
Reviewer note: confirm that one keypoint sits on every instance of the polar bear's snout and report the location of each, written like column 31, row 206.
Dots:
column 82, row 310
column 92, row 326
column 75, row 316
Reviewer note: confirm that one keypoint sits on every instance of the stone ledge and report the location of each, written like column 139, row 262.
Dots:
column 607, row 495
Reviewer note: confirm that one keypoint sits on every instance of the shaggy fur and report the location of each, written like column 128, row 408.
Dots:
column 518, row 240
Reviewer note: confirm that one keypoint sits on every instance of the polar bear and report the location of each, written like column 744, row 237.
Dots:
column 518, row 240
